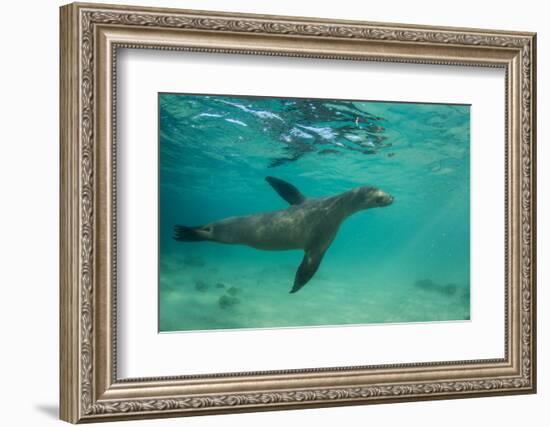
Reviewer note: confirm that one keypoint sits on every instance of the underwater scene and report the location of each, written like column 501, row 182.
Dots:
column 292, row 212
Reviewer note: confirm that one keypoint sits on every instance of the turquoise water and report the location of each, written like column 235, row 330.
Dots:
column 406, row 262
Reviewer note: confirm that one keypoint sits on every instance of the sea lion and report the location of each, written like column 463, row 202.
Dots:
column 308, row 224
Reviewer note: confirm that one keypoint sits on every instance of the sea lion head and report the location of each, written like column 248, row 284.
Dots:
column 369, row 197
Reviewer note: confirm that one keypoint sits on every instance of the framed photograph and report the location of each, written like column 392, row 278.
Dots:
column 267, row 212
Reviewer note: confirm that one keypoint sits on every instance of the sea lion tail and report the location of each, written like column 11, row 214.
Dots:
column 189, row 234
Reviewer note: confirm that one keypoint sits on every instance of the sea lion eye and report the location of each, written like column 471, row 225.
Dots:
column 380, row 199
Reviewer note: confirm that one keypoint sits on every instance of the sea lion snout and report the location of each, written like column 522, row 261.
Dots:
column 368, row 197
column 383, row 199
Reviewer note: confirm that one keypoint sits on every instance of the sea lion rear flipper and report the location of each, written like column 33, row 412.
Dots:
column 307, row 269
column 287, row 191
column 189, row 234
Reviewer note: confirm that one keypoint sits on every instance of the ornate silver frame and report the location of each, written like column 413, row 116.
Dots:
column 90, row 36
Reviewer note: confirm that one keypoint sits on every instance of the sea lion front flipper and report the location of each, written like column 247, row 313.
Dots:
column 287, row 191
column 308, row 267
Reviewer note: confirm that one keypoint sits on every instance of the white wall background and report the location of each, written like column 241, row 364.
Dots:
column 29, row 170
